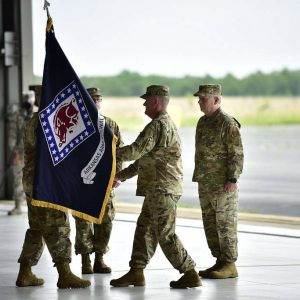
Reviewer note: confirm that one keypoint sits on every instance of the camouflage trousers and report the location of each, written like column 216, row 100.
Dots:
column 50, row 226
column 156, row 225
column 219, row 214
column 18, row 193
column 95, row 237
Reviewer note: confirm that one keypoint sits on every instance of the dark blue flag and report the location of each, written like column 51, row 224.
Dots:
column 75, row 164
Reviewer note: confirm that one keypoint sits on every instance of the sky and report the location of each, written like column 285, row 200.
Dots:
column 172, row 37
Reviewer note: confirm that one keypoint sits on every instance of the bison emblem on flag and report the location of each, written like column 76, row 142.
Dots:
column 65, row 119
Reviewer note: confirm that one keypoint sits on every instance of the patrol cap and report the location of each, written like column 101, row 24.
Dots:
column 37, row 88
column 156, row 90
column 209, row 90
column 93, row 91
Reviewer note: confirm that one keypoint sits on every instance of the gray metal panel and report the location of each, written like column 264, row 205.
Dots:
column 17, row 18
column 2, row 142
column 26, row 44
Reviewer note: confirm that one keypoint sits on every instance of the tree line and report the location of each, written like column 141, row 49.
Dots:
column 277, row 83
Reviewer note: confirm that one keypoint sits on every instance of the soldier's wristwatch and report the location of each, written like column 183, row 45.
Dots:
column 233, row 180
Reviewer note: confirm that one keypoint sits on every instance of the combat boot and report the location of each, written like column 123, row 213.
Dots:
column 27, row 278
column 99, row 265
column 15, row 211
column 67, row 280
column 86, row 267
column 205, row 273
column 134, row 277
column 228, row 270
column 190, row 279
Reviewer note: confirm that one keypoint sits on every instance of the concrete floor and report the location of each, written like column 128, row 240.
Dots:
column 268, row 265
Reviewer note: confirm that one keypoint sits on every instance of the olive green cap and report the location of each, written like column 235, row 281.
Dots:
column 209, row 90
column 156, row 90
column 93, row 91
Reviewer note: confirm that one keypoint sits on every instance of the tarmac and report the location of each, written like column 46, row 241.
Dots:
column 268, row 263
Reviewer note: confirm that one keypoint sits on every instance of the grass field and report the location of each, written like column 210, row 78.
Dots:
column 249, row 111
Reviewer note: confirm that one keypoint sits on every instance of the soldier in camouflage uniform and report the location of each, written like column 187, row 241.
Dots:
column 46, row 225
column 17, row 117
column 157, row 155
column 95, row 237
column 218, row 165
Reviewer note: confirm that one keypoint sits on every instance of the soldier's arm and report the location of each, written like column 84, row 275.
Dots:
column 12, row 131
column 235, row 151
column 197, row 144
column 120, row 143
column 142, row 145
column 130, row 171
column 116, row 131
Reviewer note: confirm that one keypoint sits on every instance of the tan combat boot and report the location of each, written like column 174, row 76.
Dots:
column 205, row 273
column 15, row 211
column 228, row 270
column 190, row 279
column 27, row 278
column 133, row 277
column 99, row 264
column 86, row 267
column 67, row 280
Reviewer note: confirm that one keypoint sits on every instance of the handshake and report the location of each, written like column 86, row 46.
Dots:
column 116, row 182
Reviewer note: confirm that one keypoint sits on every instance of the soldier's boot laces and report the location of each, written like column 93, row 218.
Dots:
column 27, row 278
column 206, row 273
column 67, row 280
column 134, row 277
column 99, row 265
column 86, row 267
column 228, row 270
column 190, row 279
column 15, row 211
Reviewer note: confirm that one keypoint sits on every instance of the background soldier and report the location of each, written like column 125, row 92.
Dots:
column 218, row 165
column 157, row 155
column 95, row 237
column 45, row 224
column 17, row 117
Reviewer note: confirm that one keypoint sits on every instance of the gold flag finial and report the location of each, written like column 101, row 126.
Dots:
column 49, row 24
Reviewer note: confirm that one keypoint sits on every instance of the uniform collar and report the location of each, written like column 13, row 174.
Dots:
column 162, row 115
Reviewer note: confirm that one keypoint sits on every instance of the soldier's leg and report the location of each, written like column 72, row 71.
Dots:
column 33, row 247
column 144, row 246
column 227, row 230
column 18, row 193
column 145, row 239
column 164, row 213
column 209, row 223
column 56, row 232
column 102, row 234
column 84, row 243
column 226, row 215
column 83, row 237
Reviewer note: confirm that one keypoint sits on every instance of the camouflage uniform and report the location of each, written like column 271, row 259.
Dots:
column 86, row 241
column 157, row 155
column 218, row 158
column 16, row 123
column 45, row 224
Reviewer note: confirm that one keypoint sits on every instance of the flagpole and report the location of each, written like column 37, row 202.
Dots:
column 46, row 4
column 49, row 19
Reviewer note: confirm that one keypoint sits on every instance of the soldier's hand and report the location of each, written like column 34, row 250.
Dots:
column 17, row 159
column 116, row 182
column 230, row 187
